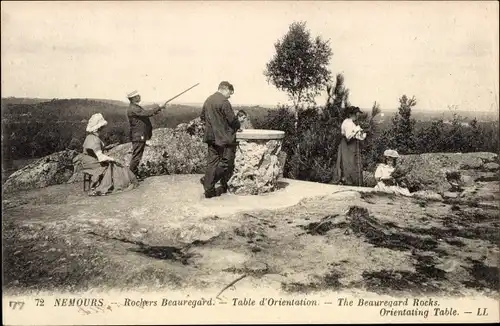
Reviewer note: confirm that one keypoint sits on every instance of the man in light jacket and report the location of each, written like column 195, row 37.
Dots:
column 141, row 128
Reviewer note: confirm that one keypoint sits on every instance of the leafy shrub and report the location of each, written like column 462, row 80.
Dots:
column 457, row 136
column 312, row 148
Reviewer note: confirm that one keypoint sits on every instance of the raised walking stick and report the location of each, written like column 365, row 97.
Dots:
column 176, row 96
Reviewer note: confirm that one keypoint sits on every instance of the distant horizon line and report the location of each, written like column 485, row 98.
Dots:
column 234, row 104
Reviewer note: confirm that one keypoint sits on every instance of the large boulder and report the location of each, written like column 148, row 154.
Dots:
column 442, row 172
column 194, row 128
column 50, row 170
column 168, row 152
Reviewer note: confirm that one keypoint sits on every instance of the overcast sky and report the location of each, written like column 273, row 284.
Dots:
column 443, row 53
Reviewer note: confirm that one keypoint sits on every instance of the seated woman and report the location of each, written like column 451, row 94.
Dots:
column 384, row 174
column 108, row 175
column 245, row 122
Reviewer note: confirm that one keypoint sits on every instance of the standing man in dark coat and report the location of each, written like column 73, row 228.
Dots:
column 221, row 125
column 141, row 129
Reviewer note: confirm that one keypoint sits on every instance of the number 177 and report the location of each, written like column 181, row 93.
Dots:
column 16, row 304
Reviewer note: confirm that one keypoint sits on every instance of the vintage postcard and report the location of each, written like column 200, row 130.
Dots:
column 228, row 162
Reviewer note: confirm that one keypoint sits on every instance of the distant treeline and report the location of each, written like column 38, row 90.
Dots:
column 39, row 129
column 33, row 129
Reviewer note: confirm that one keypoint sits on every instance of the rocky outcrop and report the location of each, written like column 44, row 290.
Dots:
column 196, row 232
column 194, row 128
column 491, row 166
column 427, row 195
column 257, row 167
column 168, row 152
column 181, row 151
column 53, row 169
column 445, row 172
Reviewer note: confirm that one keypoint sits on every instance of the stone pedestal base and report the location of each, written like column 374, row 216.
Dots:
column 257, row 165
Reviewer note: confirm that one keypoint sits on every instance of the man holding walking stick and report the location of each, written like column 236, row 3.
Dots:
column 141, row 128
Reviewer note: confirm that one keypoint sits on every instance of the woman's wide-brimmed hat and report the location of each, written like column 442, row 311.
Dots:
column 350, row 110
column 96, row 121
column 391, row 153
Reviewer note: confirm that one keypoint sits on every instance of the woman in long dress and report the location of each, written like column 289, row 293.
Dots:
column 348, row 170
column 108, row 175
column 384, row 175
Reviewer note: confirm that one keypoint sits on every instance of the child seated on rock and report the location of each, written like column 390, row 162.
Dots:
column 387, row 175
column 246, row 123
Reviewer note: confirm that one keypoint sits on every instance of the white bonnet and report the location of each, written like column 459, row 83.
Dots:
column 96, row 121
column 391, row 153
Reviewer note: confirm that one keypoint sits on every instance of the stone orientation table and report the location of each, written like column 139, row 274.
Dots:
column 257, row 166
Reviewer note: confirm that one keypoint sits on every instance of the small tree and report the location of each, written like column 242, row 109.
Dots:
column 402, row 126
column 300, row 65
column 474, row 143
column 369, row 149
column 338, row 94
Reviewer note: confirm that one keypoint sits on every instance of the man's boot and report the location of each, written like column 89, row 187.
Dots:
column 224, row 187
column 210, row 193
column 140, row 178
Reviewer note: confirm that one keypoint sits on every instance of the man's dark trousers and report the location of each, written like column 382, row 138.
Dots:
column 137, row 151
column 220, row 165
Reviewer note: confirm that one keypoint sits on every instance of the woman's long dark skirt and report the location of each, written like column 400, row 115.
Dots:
column 348, row 170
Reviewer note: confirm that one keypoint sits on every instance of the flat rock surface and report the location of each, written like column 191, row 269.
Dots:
column 260, row 134
column 306, row 237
